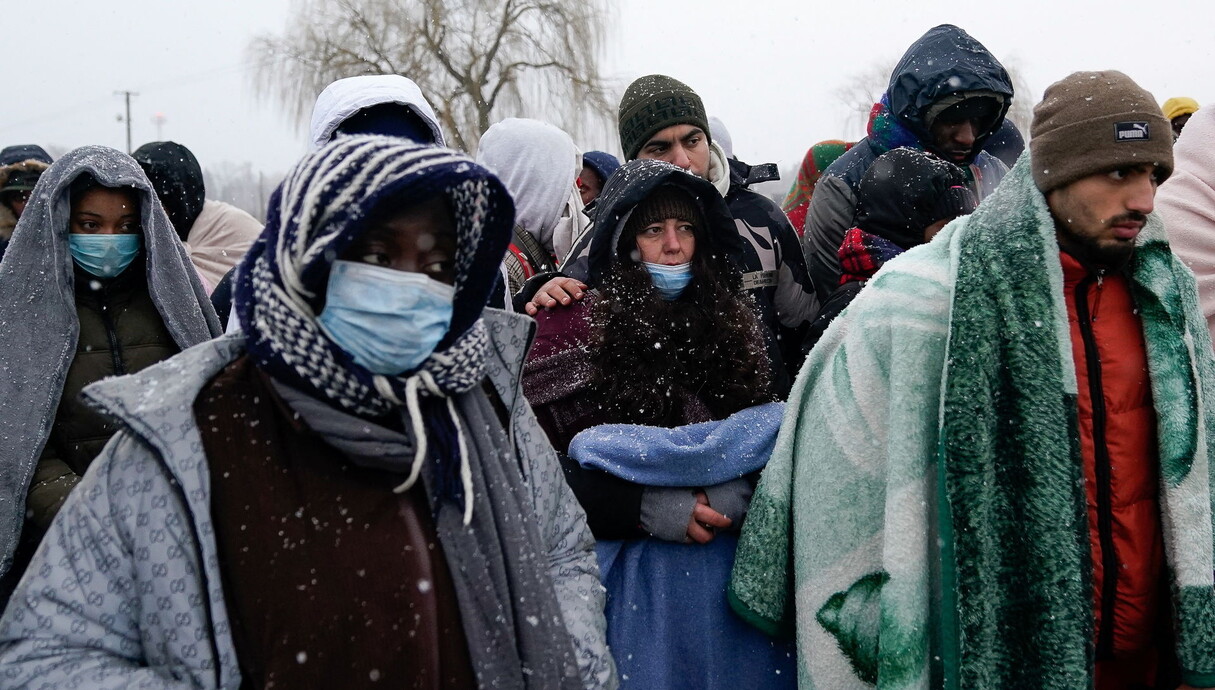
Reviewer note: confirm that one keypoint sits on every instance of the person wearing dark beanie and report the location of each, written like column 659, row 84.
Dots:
column 662, row 118
column 1028, row 398
column 905, row 198
column 653, row 103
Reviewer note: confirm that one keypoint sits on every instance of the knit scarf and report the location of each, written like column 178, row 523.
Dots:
column 318, row 210
column 863, row 253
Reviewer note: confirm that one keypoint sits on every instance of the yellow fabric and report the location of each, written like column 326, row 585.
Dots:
column 1178, row 106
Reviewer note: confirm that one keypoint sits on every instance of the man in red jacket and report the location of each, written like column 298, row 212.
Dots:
column 1098, row 163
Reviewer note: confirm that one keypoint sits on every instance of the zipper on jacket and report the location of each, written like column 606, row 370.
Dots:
column 1101, row 462
column 111, row 332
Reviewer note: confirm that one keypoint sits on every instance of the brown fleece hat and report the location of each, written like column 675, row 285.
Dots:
column 665, row 202
column 1093, row 122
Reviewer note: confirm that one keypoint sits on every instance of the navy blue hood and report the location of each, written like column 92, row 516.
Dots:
column 945, row 61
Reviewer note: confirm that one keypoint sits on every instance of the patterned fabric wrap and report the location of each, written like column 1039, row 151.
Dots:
column 886, row 132
column 318, row 210
column 816, row 161
column 863, row 253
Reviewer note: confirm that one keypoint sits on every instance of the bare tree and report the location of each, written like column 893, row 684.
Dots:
column 476, row 60
column 865, row 87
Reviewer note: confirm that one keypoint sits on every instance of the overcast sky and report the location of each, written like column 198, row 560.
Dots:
column 769, row 69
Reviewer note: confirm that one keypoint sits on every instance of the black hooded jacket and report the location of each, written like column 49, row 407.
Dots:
column 634, row 183
column 944, row 61
column 178, row 180
column 763, row 246
column 903, row 192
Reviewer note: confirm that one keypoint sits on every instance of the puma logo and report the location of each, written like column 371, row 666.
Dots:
column 1131, row 131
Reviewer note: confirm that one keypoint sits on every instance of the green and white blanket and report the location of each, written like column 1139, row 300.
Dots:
column 921, row 522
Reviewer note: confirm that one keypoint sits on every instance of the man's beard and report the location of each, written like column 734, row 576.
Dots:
column 1089, row 252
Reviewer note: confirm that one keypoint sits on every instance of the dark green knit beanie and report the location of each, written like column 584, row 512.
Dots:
column 651, row 104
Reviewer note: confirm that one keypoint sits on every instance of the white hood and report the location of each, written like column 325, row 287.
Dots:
column 345, row 97
column 538, row 163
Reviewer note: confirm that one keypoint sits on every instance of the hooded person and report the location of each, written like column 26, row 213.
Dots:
column 1186, row 202
column 905, row 198
column 294, row 479
column 539, row 165
column 597, row 167
column 656, row 386
column 722, row 136
column 387, row 104
column 17, row 180
column 96, row 284
column 994, row 470
column 24, row 152
column 816, row 160
column 661, row 118
column 215, row 233
column 948, row 95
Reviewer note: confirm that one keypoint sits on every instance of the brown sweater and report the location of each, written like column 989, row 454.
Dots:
column 331, row 579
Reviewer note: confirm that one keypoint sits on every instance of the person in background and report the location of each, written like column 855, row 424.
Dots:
column 538, row 163
column 25, row 164
column 904, row 200
column 387, row 104
column 817, row 159
column 216, row 234
column 95, row 284
column 349, row 493
column 1186, row 202
column 719, row 133
column 597, row 167
column 948, row 94
column 1178, row 110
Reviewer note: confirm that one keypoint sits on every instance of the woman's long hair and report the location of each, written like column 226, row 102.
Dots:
column 667, row 363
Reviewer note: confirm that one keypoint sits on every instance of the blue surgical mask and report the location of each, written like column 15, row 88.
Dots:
column 105, row 256
column 669, row 281
column 389, row 321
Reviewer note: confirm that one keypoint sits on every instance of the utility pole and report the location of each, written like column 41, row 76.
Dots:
column 127, row 96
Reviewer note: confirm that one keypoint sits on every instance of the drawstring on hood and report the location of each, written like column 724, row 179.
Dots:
column 318, row 211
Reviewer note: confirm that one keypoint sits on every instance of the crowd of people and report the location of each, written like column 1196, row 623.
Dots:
column 540, row 418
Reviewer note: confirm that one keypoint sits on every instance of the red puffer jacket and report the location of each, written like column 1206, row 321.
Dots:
column 1118, row 443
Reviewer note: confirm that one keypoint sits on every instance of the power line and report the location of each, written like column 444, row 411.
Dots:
column 163, row 84
column 127, row 96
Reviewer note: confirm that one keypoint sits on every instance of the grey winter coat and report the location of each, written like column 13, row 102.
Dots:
column 125, row 591
column 39, row 323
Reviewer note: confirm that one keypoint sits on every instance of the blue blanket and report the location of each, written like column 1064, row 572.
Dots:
column 703, row 454
column 669, row 625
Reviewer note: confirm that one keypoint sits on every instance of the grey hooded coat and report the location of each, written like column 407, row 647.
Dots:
column 39, row 326
column 125, row 590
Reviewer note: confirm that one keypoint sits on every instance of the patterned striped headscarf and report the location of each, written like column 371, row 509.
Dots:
column 314, row 215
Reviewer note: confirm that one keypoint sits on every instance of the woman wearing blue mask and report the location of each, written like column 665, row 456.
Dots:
column 95, row 284
column 351, row 492
column 656, row 388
